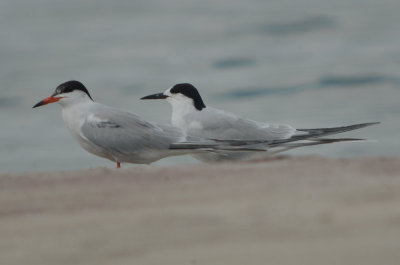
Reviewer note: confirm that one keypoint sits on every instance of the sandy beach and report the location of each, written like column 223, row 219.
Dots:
column 304, row 210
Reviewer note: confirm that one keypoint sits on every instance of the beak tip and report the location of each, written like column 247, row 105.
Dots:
column 146, row 97
column 155, row 96
column 37, row 105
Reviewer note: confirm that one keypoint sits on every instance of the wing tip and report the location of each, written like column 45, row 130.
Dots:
column 347, row 127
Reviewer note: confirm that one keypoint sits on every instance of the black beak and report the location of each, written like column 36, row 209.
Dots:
column 40, row 103
column 155, row 96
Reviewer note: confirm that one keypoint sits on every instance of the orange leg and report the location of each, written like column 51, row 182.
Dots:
column 118, row 165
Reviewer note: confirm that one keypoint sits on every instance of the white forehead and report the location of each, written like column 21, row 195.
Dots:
column 168, row 92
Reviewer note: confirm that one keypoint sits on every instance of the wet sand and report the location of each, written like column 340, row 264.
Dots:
column 305, row 210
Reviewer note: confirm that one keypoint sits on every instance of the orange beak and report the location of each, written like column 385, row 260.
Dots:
column 47, row 100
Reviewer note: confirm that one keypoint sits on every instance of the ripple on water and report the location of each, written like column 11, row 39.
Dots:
column 298, row 26
column 262, row 91
column 233, row 63
column 355, row 80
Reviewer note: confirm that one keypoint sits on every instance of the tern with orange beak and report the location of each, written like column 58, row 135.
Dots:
column 121, row 136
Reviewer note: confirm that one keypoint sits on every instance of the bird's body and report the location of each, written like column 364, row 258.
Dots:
column 190, row 114
column 211, row 123
column 118, row 135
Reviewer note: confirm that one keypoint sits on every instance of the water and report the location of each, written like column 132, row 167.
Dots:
column 307, row 63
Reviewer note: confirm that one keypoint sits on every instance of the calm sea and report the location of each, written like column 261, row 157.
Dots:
column 308, row 63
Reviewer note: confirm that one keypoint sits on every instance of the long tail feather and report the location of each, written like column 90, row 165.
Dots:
column 321, row 141
column 334, row 130
column 310, row 134
column 289, row 146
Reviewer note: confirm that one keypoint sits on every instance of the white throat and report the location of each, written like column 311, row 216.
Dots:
column 75, row 106
column 181, row 109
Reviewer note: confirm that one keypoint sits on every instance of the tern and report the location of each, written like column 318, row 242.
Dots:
column 190, row 114
column 121, row 136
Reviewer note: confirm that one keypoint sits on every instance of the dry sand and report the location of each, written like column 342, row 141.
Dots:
column 306, row 210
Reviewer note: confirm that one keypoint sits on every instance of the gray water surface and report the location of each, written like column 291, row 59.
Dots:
column 307, row 63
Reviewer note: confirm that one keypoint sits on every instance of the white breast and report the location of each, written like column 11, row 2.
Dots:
column 74, row 118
